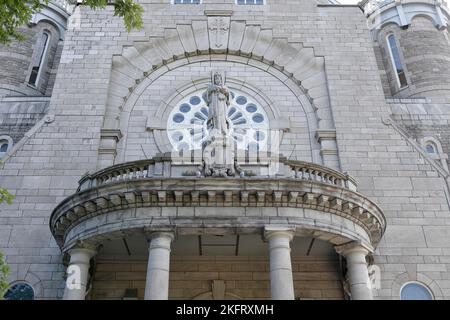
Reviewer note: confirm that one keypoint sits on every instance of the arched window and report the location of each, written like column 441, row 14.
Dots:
column 5, row 145
column 20, row 291
column 39, row 58
column 415, row 291
column 431, row 148
column 396, row 61
column 249, row 123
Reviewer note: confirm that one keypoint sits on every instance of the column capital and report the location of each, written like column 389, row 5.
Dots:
column 352, row 247
column 83, row 248
column 273, row 231
column 164, row 233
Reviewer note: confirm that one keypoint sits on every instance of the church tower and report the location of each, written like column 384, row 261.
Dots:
column 413, row 47
column 28, row 71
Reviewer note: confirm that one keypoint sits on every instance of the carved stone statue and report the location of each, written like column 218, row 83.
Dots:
column 218, row 153
column 218, row 101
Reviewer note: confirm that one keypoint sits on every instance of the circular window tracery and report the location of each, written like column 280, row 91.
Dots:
column 20, row 291
column 187, row 124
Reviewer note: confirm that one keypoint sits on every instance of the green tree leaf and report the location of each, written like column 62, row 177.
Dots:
column 14, row 14
column 4, row 272
column 5, row 196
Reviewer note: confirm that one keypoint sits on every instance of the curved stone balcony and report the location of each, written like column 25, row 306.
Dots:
column 152, row 195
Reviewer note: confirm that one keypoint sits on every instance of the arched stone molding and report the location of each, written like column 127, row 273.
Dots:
column 439, row 156
column 218, row 292
column 402, row 12
column 125, row 223
column 56, row 12
column 421, row 278
column 141, row 64
column 10, row 142
column 33, row 280
column 157, row 121
column 434, row 141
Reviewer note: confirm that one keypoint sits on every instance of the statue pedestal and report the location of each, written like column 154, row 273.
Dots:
column 219, row 155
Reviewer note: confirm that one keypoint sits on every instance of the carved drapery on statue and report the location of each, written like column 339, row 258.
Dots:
column 218, row 101
column 219, row 150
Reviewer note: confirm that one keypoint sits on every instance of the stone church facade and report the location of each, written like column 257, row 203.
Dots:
column 334, row 183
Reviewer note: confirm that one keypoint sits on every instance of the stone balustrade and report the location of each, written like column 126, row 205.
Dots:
column 310, row 171
column 162, row 166
column 122, row 172
column 126, row 196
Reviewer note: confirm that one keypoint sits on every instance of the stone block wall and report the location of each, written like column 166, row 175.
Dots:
column 424, row 52
column 423, row 119
column 388, row 169
column 19, row 115
column 244, row 277
column 16, row 59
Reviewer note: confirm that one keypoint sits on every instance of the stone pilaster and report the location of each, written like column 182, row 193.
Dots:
column 328, row 145
column 108, row 147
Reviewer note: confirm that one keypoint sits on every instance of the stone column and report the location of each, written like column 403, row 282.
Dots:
column 78, row 272
column 357, row 272
column 281, row 281
column 157, row 282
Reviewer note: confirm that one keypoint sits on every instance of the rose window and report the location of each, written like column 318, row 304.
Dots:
column 248, row 122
